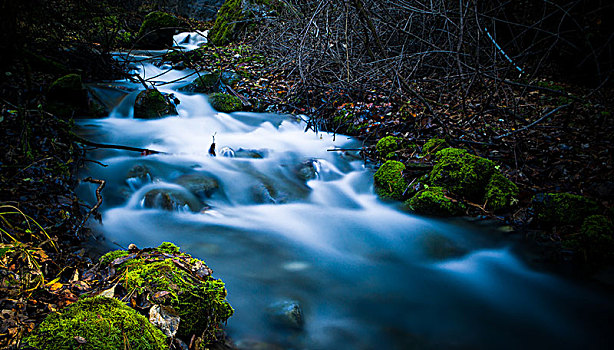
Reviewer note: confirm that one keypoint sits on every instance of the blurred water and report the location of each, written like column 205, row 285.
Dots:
column 302, row 223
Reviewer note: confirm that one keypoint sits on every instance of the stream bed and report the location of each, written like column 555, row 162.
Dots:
column 280, row 218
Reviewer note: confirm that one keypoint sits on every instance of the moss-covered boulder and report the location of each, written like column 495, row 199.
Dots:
column 554, row 209
column 152, row 104
column 157, row 30
column 389, row 181
column 434, row 145
column 387, row 146
column 462, row 173
column 225, row 102
column 182, row 284
column 233, row 18
column 501, row 193
column 595, row 241
column 434, row 201
column 96, row 323
column 206, row 83
column 67, row 96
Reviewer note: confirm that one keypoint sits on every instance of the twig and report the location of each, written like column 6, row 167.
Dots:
column 101, row 184
column 535, row 122
column 102, row 145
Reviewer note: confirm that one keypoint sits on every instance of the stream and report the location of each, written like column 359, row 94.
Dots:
column 283, row 219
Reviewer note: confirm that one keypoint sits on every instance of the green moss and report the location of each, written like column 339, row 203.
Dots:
column 227, row 23
column 168, row 247
column 434, row 145
column 70, row 82
column 225, row 102
column 388, row 145
column 388, row 180
column 157, row 30
column 197, row 298
column 433, row 201
column 151, row 104
column 112, row 255
column 595, row 241
column 207, row 83
column 462, row 173
column 553, row 209
column 501, row 193
column 96, row 323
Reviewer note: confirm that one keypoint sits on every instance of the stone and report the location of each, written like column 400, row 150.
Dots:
column 225, row 103
column 387, row 146
column 554, row 209
column 152, row 104
column 165, row 319
column 287, row 314
column 138, row 176
column 202, row 186
column 389, row 181
column 434, row 201
column 157, row 30
column 170, row 199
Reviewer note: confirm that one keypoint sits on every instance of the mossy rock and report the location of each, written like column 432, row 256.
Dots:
column 207, row 83
column 165, row 276
column 233, row 16
column 151, row 104
column 157, row 30
column 462, row 173
column 171, row 199
column 595, row 241
column 225, row 102
column 552, row 209
column 434, row 201
column 67, row 96
column 501, row 193
column 434, row 145
column 389, row 181
column 96, row 323
column 388, row 145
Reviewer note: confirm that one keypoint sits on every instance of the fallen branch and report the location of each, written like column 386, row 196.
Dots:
column 101, row 184
column 534, row 123
column 122, row 147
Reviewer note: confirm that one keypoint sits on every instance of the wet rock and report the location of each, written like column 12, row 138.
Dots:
column 68, row 97
column 287, row 314
column 201, row 185
column 264, row 194
column 439, row 247
column 152, row 104
column 226, row 152
column 251, row 153
column 138, row 176
column 206, row 83
column 225, row 103
column 170, row 199
column 307, row 170
column 157, row 30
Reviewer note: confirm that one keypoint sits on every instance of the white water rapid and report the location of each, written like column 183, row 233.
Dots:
column 291, row 220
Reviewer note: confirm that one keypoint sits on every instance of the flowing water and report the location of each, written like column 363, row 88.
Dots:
column 292, row 221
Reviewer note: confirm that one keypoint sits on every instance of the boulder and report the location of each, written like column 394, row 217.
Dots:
column 181, row 285
column 68, row 97
column 387, row 146
column 96, row 323
column 138, row 176
column 170, row 199
column 434, row 201
column 434, row 145
column 225, row 102
column 553, row 209
column 201, row 185
column 157, row 30
column 307, row 170
column 389, row 181
column 501, row 193
column 152, row 104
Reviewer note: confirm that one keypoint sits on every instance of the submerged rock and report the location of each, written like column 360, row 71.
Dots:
column 287, row 313
column 138, row 176
column 170, row 199
column 201, row 185
column 96, row 323
column 152, row 104
column 307, row 170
